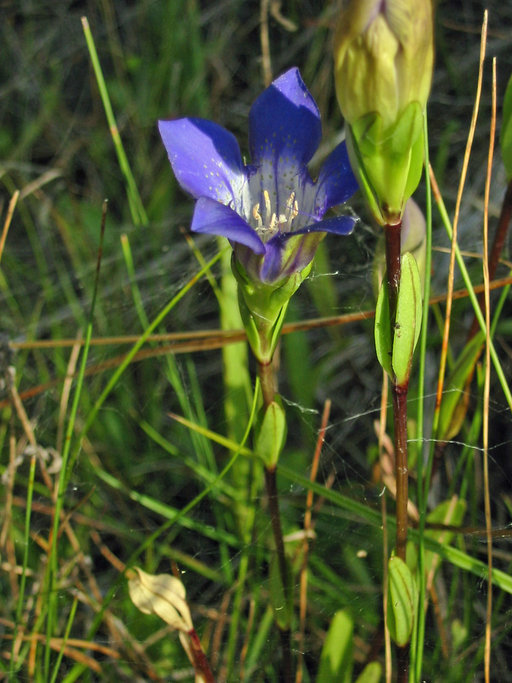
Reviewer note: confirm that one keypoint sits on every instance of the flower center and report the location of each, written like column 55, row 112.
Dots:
column 268, row 223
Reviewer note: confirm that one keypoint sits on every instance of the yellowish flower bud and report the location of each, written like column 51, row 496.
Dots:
column 163, row 595
column 383, row 57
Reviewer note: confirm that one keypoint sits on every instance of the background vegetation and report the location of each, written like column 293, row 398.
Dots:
column 130, row 466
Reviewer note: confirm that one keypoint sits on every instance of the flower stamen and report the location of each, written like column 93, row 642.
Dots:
column 268, row 207
column 257, row 216
column 268, row 223
column 292, row 211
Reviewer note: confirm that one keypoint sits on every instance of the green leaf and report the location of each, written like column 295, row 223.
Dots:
column 408, row 319
column 506, row 131
column 283, row 608
column 459, row 634
column 336, row 660
column 371, row 673
column 455, row 397
column 383, row 330
column 270, row 433
column 402, row 601
column 451, row 513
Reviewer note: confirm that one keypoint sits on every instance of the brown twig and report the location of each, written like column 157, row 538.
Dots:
column 305, row 545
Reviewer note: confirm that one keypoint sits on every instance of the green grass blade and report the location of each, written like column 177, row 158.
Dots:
column 136, row 207
column 417, row 644
column 79, row 668
column 67, row 462
column 69, row 624
column 23, row 582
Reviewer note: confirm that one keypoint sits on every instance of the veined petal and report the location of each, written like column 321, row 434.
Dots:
column 336, row 181
column 290, row 253
column 339, row 225
column 272, row 264
column 205, row 158
column 284, row 123
column 214, row 218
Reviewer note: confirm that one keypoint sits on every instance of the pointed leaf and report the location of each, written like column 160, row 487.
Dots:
column 408, row 318
column 455, row 398
column 270, row 433
column 506, row 131
column 402, row 600
column 336, row 660
column 283, row 608
column 372, row 673
column 383, row 330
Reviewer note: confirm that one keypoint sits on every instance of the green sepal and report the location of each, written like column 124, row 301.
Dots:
column 383, row 329
column 372, row 673
column 402, row 601
column 408, row 319
column 455, row 397
column 270, row 432
column 336, row 660
column 263, row 308
column 388, row 161
column 282, row 607
column 506, row 131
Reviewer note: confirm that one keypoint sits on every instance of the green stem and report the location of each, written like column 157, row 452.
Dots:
column 268, row 391
column 267, row 381
column 417, row 650
column 275, row 518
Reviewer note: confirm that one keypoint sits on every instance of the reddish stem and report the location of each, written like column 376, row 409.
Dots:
column 393, row 266
column 402, row 471
column 201, row 664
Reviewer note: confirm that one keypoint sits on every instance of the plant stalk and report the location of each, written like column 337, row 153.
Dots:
column 275, row 517
column 393, row 273
column 267, row 378
column 201, row 664
column 402, row 472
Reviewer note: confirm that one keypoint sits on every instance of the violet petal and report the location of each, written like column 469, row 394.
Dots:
column 205, row 158
column 336, row 181
column 284, row 122
column 339, row 225
column 214, row 218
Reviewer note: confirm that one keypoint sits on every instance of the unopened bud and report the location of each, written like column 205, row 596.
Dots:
column 383, row 57
column 163, row 595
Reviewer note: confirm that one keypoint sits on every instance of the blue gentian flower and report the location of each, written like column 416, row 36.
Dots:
column 270, row 210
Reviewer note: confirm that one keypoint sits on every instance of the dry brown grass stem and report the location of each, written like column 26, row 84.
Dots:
column 8, row 219
column 308, row 526
column 462, row 182
column 487, row 381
